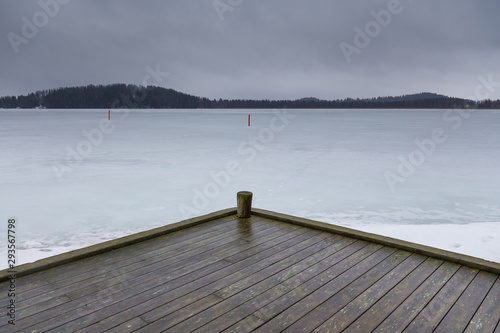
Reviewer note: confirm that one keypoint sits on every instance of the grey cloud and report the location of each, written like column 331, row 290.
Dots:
column 262, row 49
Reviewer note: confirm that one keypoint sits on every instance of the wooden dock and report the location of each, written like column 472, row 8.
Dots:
column 266, row 273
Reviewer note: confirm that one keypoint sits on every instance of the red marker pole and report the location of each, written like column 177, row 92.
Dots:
column 109, row 114
column 248, row 120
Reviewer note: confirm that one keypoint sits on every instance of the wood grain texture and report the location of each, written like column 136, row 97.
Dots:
column 259, row 274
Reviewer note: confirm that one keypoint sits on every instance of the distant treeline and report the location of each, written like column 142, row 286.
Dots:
column 117, row 96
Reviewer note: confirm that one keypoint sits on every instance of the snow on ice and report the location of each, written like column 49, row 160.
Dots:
column 72, row 179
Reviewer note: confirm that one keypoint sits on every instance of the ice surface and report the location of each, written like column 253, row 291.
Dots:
column 155, row 167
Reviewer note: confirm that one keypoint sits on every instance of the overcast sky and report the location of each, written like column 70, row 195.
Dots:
column 253, row 48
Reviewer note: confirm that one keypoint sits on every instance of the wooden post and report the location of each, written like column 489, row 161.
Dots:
column 244, row 200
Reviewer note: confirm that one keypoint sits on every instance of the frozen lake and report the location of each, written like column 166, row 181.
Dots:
column 70, row 178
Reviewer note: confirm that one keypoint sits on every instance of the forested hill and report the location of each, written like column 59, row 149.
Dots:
column 117, row 96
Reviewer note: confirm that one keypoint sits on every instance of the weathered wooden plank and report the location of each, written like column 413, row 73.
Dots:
column 284, row 230
column 179, row 319
column 162, row 296
column 488, row 314
column 86, row 287
column 73, row 314
column 105, row 300
column 129, row 326
column 190, row 235
column 142, row 252
column 324, row 311
column 109, row 290
column 429, row 318
column 55, row 320
column 116, row 287
column 119, row 258
column 217, row 250
column 97, row 249
column 243, row 311
column 254, row 304
column 459, row 316
column 170, row 318
column 348, row 314
column 290, row 307
column 71, row 288
column 36, row 281
column 23, row 285
column 322, row 259
column 26, row 310
column 117, row 294
column 264, row 275
column 165, row 297
column 411, row 307
column 245, row 325
column 251, row 286
column 408, row 273
column 393, row 298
